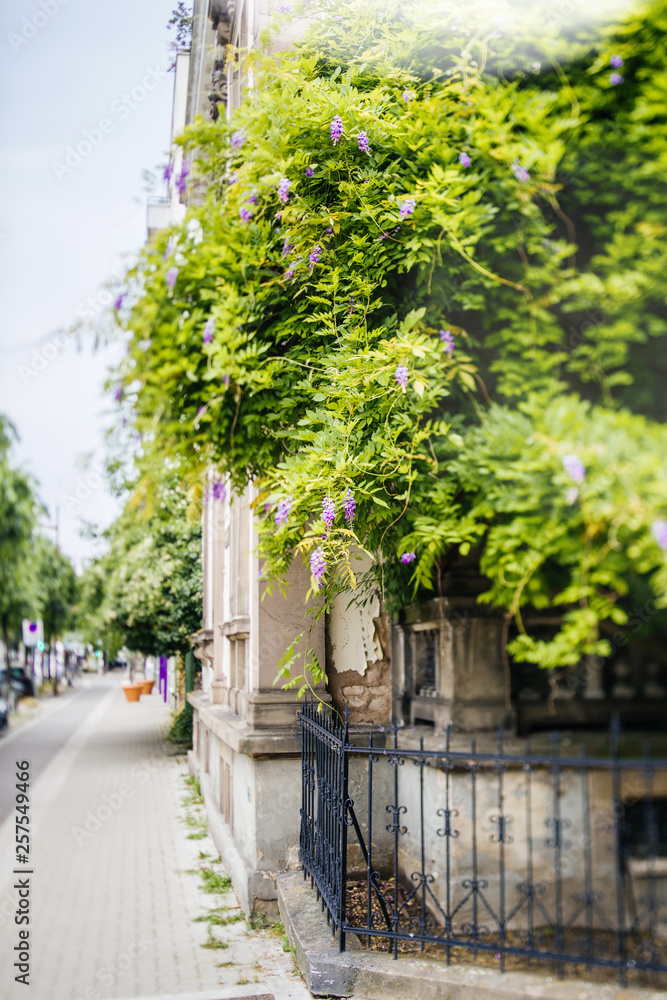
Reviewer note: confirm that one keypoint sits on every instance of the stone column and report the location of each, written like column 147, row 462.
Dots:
column 275, row 622
column 217, row 547
column 469, row 686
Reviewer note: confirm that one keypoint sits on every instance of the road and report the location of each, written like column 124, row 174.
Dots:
column 40, row 740
column 116, row 891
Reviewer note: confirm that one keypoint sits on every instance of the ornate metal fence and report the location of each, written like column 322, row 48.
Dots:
column 514, row 853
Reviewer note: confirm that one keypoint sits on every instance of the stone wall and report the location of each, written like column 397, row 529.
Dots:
column 358, row 662
column 368, row 695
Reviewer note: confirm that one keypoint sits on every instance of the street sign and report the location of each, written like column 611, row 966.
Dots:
column 32, row 632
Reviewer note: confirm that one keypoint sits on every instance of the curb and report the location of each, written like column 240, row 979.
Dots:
column 358, row 972
column 227, row 993
column 231, row 993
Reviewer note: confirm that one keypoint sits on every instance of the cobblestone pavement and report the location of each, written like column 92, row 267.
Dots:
column 119, row 879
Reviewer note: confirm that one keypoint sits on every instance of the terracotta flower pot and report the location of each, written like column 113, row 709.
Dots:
column 146, row 686
column 132, row 691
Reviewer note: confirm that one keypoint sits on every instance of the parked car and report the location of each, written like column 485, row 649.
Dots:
column 117, row 665
column 19, row 682
column 4, row 715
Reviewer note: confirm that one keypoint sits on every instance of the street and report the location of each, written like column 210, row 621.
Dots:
column 40, row 743
column 113, row 896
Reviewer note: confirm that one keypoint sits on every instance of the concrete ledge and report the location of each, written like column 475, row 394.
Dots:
column 237, row 734
column 373, row 976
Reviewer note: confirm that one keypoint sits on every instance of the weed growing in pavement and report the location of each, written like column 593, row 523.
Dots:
column 225, row 965
column 195, row 789
column 218, row 918
column 203, row 855
column 214, row 943
column 242, row 981
column 214, row 881
column 278, row 930
column 200, row 829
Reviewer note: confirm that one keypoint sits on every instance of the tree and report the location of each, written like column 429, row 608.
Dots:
column 145, row 591
column 19, row 510
column 421, row 308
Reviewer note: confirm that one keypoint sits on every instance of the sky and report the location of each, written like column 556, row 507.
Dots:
column 86, row 108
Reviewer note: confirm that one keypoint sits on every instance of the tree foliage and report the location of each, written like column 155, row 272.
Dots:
column 145, row 591
column 427, row 272
column 19, row 510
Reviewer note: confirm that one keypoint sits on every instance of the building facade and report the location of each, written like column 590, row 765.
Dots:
column 429, row 667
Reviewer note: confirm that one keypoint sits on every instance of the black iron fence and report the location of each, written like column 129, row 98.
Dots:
column 518, row 854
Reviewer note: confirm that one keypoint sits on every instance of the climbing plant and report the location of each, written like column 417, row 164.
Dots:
column 419, row 300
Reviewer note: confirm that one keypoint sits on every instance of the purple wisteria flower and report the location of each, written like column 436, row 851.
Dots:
column 407, row 208
column 224, row 379
column 118, row 394
column 287, row 246
column 314, row 257
column 309, row 171
column 408, row 557
column 447, row 337
column 574, row 468
column 245, row 213
column 289, row 273
column 200, row 412
column 385, row 236
column 408, row 95
column 349, row 506
column 182, row 181
column 615, row 79
column 363, row 143
column 616, row 62
column 520, row 172
column 659, row 532
column 284, row 8
column 351, row 305
column 328, row 511
column 238, row 138
column 336, row 129
column 402, row 374
column 171, row 276
column 283, row 190
column 207, row 335
column 254, row 198
column 283, row 511
column 318, row 567
column 120, row 298
column 464, row 160
column 168, row 171
column 219, row 491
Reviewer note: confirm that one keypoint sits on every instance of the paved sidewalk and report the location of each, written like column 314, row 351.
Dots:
column 113, row 904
